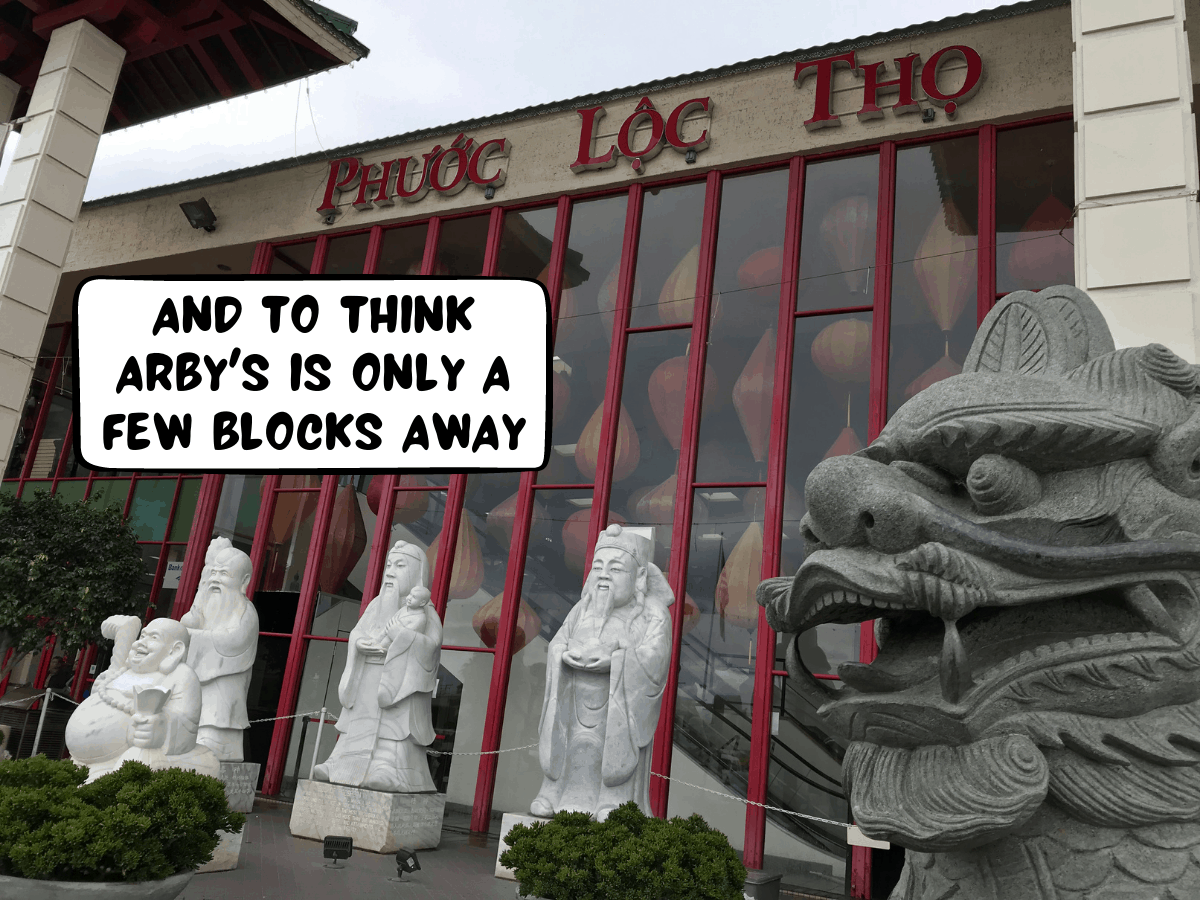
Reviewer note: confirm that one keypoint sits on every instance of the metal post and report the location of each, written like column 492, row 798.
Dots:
column 317, row 744
column 41, row 720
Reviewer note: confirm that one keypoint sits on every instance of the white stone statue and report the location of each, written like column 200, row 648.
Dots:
column 224, row 640
column 145, row 706
column 386, row 689
column 605, row 673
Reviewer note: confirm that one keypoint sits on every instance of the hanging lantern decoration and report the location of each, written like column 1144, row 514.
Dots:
column 752, row 395
column 628, row 451
column 842, row 351
column 657, row 508
column 945, row 266
column 739, row 579
column 410, row 505
column 677, row 299
column 943, row 368
column 575, row 536
column 606, row 299
column 635, row 497
column 500, row 520
column 346, row 541
column 668, row 391
column 1044, row 252
column 486, row 623
column 291, row 508
column 561, row 397
column 847, row 443
column 762, row 272
column 691, row 613
column 848, row 232
column 466, row 575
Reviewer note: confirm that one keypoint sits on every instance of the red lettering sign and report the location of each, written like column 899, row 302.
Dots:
column 822, row 116
column 929, row 77
column 662, row 132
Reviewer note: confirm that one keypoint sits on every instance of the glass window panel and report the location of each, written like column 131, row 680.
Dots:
column 461, row 246
column 8, row 487
column 347, row 254
column 289, row 533
column 402, row 250
column 189, row 493
column 237, row 510
column 458, row 717
column 110, row 492
column 71, row 491
column 526, row 243
column 293, row 259
column 29, row 413
column 584, row 331
column 166, row 594
column 1035, row 194
column 344, row 564
column 664, row 289
column 151, row 508
column 933, row 312
column 837, row 249
column 749, row 252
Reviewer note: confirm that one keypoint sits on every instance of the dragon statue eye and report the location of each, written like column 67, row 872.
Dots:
column 1000, row 485
column 1176, row 459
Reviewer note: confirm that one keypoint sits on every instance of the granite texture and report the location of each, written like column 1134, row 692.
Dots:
column 378, row 821
column 1027, row 534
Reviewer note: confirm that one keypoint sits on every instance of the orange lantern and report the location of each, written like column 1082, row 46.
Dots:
column 668, row 390
column 561, row 397
column 486, row 623
column 346, row 541
column 635, row 497
column 762, row 272
column 291, row 508
column 575, row 536
column 678, row 296
column 739, row 579
column 410, row 505
column 628, row 450
column 842, row 351
column 752, row 395
column 500, row 520
column 657, row 507
column 1044, row 252
column 847, row 442
column 466, row 575
column 848, row 232
column 606, row 299
column 945, row 266
column 943, row 368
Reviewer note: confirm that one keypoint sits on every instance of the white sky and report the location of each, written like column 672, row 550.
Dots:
column 436, row 63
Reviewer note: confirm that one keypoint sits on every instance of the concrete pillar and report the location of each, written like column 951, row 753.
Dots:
column 8, row 97
column 41, row 196
column 1137, row 249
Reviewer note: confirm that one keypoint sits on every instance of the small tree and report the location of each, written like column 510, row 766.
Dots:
column 64, row 568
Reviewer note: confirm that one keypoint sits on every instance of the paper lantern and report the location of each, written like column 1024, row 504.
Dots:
column 561, row 397
column 466, row 575
column 739, row 579
column 945, row 266
column 500, row 520
column 1044, row 251
column 628, row 450
column 762, row 272
column 346, row 541
column 847, row 442
column 848, row 232
column 606, row 299
column 842, row 351
column 486, row 623
column 677, row 299
column 291, row 508
column 691, row 613
column 668, row 392
column 657, row 507
column 575, row 537
column 752, row 395
column 943, row 368
column 410, row 505
column 635, row 497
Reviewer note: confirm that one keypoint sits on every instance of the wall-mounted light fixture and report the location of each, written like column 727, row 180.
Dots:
column 928, row 114
column 199, row 214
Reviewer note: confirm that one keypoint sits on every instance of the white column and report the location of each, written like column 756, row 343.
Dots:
column 41, row 196
column 1137, row 250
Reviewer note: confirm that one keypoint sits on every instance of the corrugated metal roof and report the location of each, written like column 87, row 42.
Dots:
column 341, row 27
column 883, row 37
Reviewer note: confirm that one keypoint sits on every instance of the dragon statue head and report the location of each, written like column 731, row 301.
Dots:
column 1027, row 537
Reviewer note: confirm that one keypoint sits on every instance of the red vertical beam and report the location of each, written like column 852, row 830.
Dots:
column 985, row 292
column 514, row 575
column 263, row 254
column 681, row 525
column 262, row 529
column 433, row 234
column 781, row 399
column 161, row 568
column 44, row 410
column 379, row 543
column 197, row 546
column 64, row 452
column 39, row 680
column 320, row 252
column 4, row 683
column 616, row 368
column 277, row 756
column 84, row 672
column 374, row 242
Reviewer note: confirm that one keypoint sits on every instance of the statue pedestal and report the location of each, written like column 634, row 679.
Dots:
column 506, row 823
column 240, row 779
column 379, row 822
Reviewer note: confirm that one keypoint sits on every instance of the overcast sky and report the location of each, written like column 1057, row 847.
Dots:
column 438, row 63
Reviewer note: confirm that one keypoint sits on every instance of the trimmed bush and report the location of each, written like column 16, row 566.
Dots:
column 134, row 824
column 628, row 856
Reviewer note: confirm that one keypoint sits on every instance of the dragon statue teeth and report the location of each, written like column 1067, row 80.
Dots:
column 1027, row 535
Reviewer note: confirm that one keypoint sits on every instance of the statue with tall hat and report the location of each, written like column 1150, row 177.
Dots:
column 223, row 625
column 606, row 669
column 386, row 688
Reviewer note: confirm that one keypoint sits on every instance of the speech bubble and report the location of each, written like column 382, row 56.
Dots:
column 312, row 374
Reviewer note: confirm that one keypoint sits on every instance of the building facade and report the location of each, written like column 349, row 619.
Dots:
column 750, row 269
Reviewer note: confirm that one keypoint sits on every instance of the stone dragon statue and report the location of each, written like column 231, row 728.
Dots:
column 1027, row 537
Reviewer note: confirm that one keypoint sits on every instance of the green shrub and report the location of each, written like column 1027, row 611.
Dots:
column 134, row 824
column 628, row 856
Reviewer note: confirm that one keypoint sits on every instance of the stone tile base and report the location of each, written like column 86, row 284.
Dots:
column 227, row 854
column 379, row 822
column 506, row 824
column 240, row 780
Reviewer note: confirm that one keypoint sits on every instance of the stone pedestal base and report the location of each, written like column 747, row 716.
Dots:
column 240, row 779
column 378, row 821
column 506, row 824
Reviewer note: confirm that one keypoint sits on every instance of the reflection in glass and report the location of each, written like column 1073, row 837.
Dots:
column 293, row 259
column 45, row 454
column 1035, row 194
column 664, row 287
column 110, row 493
column 526, row 243
column 933, row 312
column 151, row 508
column 189, row 494
column 462, row 246
column 237, row 510
column 837, row 250
column 402, row 250
column 289, row 532
column 346, row 254
column 464, row 711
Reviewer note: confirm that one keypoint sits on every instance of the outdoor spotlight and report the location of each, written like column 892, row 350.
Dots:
column 489, row 192
column 928, row 114
column 406, row 861
column 690, row 156
column 338, row 847
column 199, row 214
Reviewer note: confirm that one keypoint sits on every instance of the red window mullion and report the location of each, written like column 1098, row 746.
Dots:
column 374, row 243
column 986, row 267
column 764, row 664
column 380, row 541
column 558, row 262
column 681, row 525
column 198, row 540
column 44, row 410
column 320, row 252
column 262, row 529
column 68, row 439
column 161, row 568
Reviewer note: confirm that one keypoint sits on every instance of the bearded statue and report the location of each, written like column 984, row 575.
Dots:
column 1027, row 536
